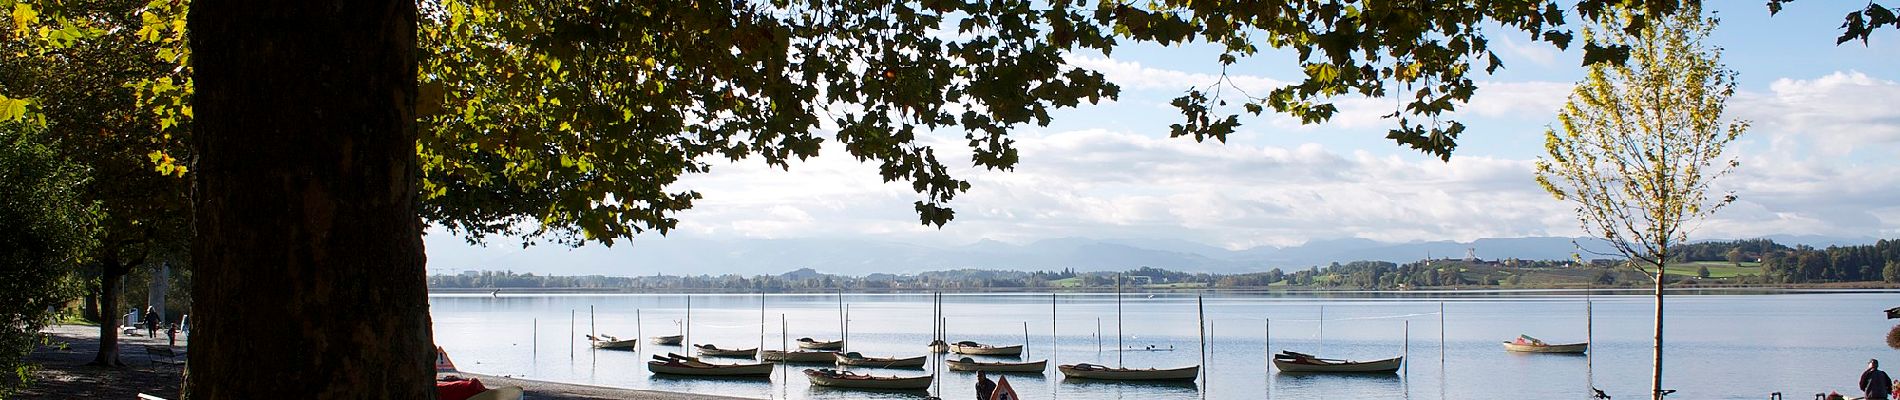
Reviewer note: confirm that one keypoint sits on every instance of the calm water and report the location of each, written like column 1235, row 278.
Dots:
column 1719, row 346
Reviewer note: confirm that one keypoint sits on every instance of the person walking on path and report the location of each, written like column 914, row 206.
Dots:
column 1875, row 384
column 151, row 321
column 984, row 386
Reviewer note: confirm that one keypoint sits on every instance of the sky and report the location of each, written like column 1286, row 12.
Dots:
column 1822, row 157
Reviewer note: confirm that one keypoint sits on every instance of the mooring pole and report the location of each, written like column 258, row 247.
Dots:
column 570, row 332
column 1200, row 304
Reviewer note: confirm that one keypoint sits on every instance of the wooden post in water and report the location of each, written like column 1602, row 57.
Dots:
column 1406, row 351
column 846, row 336
column 760, row 323
column 1098, row 336
column 1053, row 340
column 1119, row 348
column 570, row 332
column 1200, row 305
column 639, row 332
column 841, row 311
column 1322, row 329
column 1441, row 338
column 686, row 328
column 590, row 322
column 784, row 336
column 534, row 340
column 1025, row 340
column 1269, row 344
column 1589, row 340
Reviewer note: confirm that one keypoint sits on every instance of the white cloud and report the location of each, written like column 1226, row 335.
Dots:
column 1836, row 114
column 1134, row 75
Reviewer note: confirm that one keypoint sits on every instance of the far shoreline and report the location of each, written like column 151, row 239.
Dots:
column 1698, row 289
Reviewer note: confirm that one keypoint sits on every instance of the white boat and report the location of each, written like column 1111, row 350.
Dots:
column 605, row 341
column 674, row 364
column 810, row 344
column 967, row 364
column 859, row 360
column 844, row 379
column 969, row 347
column 799, row 356
column 673, row 340
column 1092, row 371
column 1288, row 361
column 715, row 351
column 1527, row 344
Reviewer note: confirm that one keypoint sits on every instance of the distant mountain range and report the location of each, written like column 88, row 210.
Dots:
column 685, row 256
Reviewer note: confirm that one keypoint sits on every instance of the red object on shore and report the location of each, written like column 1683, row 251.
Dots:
column 458, row 389
column 1003, row 391
column 442, row 363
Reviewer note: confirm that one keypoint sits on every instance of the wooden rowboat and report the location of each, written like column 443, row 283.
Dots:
column 673, row 340
column 1092, row 371
column 715, row 351
column 799, row 356
column 674, row 364
column 809, row 344
column 859, row 360
column 1570, row 348
column 843, row 379
column 969, row 347
column 967, row 364
column 609, row 342
column 1288, row 361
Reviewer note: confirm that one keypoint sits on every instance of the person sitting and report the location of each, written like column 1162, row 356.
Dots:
column 1874, row 383
column 984, row 386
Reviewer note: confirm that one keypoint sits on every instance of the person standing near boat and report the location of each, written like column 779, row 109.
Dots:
column 1875, row 384
column 984, row 386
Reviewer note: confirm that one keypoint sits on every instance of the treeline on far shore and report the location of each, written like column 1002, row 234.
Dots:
column 1736, row 263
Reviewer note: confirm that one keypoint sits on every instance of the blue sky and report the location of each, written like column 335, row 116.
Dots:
column 1822, row 158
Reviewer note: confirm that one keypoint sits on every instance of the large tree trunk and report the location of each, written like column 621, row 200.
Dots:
column 1655, row 381
column 308, row 257
column 112, row 272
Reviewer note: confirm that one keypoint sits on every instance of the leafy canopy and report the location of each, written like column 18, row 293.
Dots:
column 48, row 232
column 1639, row 145
column 571, row 121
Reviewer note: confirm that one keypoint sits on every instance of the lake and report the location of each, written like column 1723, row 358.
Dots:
column 1719, row 345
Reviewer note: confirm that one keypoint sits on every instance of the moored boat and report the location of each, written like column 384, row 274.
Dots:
column 859, row 360
column 605, row 341
column 672, row 340
column 715, row 351
column 800, row 356
column 1092, row 371
column 967, row 364
column 845, row 379
column 1288, row 361
column 810, row 344
column 1527, row 344
column 969, row 347
column 675, row 364
column 938, row 346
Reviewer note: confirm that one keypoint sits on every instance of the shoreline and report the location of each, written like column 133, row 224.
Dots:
column 63, row 374
column 1838, row 287
column 537, row 389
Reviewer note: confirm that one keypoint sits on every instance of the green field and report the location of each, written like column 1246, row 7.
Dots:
column 1717, row 269
column 1067, row 283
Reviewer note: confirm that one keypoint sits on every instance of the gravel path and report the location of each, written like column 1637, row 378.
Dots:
column 63, row 373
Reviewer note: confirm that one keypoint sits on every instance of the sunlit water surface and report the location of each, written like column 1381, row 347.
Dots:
column 1720, row 346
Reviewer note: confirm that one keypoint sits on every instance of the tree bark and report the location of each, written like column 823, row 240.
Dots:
column 308, row 260
column 109, row 318
column 1656, row 390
